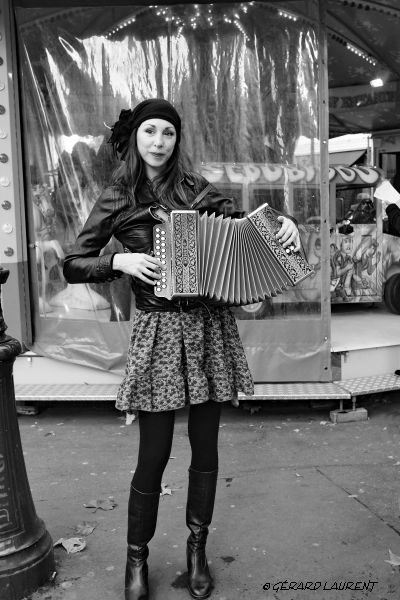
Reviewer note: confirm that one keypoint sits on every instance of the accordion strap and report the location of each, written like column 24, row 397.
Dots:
column 200, row 196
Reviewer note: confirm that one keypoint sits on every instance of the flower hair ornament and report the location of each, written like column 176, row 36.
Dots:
column 121, row 132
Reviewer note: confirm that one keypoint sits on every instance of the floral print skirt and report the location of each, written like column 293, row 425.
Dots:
column 180, row 358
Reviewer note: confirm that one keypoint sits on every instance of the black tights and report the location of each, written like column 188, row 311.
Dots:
column 156, row 433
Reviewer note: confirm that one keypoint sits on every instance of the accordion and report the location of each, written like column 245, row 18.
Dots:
column 236, row 261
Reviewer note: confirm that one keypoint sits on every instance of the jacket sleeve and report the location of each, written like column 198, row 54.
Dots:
column 85, row 264
column 393, row 213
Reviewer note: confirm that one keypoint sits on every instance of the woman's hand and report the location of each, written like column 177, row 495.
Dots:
column 140, row 265
column 288, row 235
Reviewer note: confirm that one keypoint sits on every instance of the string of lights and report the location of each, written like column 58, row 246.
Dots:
column 373, row 5
column 354, row 49
column 205, row 16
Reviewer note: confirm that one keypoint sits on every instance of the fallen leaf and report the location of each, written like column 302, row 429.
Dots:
column 165, row 490
column 130, row 418
column 103, row 503
column 72, row 545
column 394, row 559
column 86, row 528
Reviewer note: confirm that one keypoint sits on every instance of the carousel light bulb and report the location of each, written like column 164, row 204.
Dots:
column 358, row 52
column 287, row 15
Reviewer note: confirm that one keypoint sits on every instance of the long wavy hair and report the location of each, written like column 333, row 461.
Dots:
column 130, row 176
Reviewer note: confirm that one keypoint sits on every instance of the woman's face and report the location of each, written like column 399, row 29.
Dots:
column 155, row 142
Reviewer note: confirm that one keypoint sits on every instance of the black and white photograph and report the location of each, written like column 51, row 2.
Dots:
column 200, row 300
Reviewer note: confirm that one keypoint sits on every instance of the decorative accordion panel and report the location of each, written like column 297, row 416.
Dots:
column 237, row 261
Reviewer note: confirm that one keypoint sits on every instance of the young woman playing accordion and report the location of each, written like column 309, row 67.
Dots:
column 181, row 353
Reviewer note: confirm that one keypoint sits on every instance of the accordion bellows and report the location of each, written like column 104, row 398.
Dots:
column 237, row 261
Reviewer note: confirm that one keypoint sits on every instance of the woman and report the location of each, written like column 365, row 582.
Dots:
column 180, row 353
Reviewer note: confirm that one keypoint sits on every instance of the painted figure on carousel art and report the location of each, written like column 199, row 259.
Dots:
column 342, row 263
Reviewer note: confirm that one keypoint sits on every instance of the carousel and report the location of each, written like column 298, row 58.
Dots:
column 252, row 80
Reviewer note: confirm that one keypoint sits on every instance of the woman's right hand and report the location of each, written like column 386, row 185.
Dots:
column 140, row 265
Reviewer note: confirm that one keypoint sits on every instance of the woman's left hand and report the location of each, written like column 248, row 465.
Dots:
column 288, row 235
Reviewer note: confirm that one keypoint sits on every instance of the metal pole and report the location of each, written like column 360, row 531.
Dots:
column 26, row 548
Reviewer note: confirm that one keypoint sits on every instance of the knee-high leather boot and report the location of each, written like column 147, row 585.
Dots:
column 199, row 511
column 142, row 519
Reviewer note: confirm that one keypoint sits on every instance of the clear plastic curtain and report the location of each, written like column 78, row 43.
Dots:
column 245, row 78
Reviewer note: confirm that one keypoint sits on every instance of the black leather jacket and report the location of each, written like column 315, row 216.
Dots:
column 114, row 215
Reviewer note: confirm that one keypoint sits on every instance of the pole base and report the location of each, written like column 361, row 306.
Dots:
column 22, row 572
